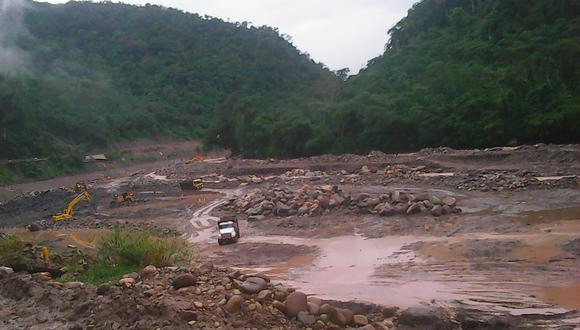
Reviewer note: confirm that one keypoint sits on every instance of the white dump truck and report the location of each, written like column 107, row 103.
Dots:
column 228, row 229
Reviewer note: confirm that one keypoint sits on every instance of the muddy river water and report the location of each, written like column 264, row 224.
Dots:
column 407, row 270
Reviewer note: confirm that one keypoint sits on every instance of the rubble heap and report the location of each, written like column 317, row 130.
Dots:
column 310, row 200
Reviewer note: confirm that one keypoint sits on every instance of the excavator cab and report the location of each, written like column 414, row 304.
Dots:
column 67, row 214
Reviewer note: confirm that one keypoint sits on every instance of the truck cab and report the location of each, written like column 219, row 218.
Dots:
column 228, row 230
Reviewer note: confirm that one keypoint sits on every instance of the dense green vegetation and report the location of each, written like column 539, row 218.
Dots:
column 103, row 72
column 468, row 73
column 462, row 73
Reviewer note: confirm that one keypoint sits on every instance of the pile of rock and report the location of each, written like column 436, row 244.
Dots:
column 302, row 173
column 310, row 200
column 202, row 296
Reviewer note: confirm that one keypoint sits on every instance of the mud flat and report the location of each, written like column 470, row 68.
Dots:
column 508, row 246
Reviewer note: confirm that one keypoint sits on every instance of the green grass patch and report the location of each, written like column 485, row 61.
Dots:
column 125, row 251
column 6, row 175
column 141, row 248
column 106, row 273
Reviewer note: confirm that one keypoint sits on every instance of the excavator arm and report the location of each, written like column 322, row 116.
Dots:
column 68, row 212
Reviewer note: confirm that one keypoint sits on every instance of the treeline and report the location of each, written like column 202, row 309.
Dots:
column 460, row 73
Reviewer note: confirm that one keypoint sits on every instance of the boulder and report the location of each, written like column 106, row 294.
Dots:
column 4, row 271
column 360, row 320
column 414, row 208
column 313, row 308
column 306, row 319
column 295, row 303
column 334, row 315
column 437, row 210
column 183, row 281
column 254, row 285
column 348, row 315
column 446, row 209
column 282, row 209
column 234, row 304
column 449, row 201
column 424, row 317
column 149, row 272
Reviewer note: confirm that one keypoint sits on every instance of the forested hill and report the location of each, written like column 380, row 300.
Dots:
column 459, row 73
column 468, row 73
column 101, row 72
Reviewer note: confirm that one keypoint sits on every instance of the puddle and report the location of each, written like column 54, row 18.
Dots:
column 565, row 296
column 82, row 238
column 436, row 175
column 554, row 178
column 154, row 176
column 531, row 217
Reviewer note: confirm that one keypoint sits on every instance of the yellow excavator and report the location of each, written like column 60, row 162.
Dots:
column 68, row 212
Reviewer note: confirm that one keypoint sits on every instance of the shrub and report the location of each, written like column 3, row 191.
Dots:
column 15, row 253
column 141, row 248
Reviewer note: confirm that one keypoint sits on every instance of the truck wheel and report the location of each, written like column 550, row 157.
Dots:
column 220, row 242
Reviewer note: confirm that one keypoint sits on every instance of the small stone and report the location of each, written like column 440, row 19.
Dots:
column 264, row 295
column 73, row 285
column 198, row 304
column 127, row 282
column 234, row 304
column 149, row 272
column 279, row 306
column 183, row 281
column 360, row 319
column 251, row 307
column 254, row 285
column 103, row 289
column 319, row 325
column 133, row 275
column 188, row 315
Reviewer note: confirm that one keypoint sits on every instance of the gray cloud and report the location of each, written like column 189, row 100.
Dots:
column 12, row 59
column 338, row 33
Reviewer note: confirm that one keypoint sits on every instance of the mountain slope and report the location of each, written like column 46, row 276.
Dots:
column 101, row 72
column 468, row 73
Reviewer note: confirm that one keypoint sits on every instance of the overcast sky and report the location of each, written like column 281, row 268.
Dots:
column 338, row 33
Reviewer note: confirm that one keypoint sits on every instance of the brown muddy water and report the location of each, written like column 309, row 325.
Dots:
column 407, row 270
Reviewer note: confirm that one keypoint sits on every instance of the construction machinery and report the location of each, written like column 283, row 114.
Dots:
column 68, row 212
column 229, row 230
column 78, row 188
column 195, row 184
column 126, row 197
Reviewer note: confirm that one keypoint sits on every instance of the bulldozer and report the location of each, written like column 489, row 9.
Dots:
column 68, row 211
column 195, row 184
column 126, row 197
